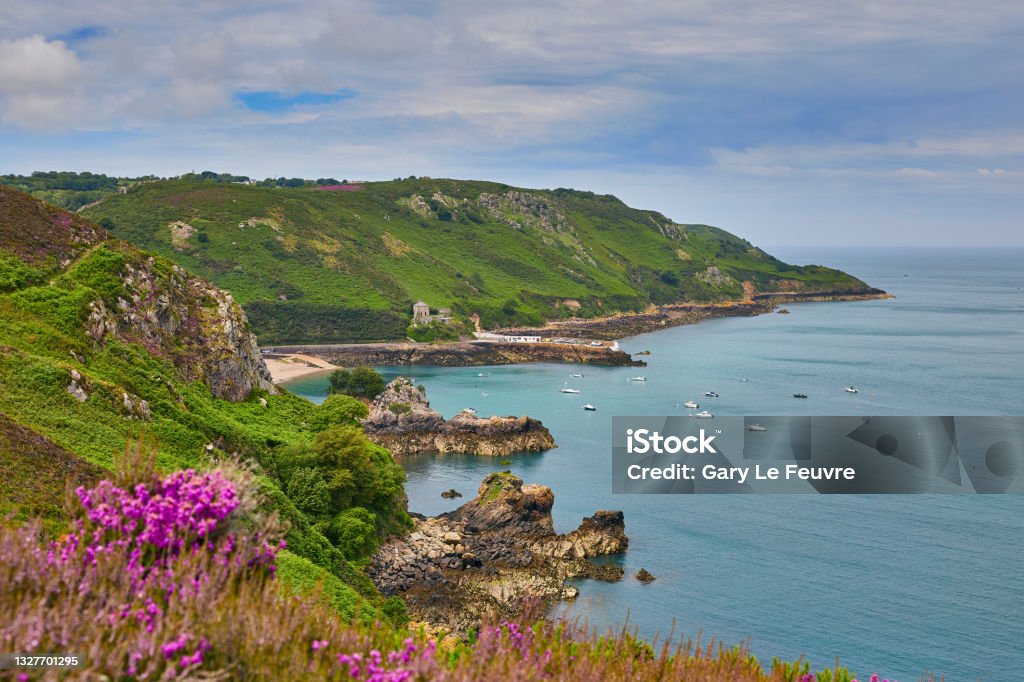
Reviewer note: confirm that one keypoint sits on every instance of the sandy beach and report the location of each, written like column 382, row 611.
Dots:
column 291, row 367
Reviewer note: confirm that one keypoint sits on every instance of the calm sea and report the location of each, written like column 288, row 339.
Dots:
column 893, row 584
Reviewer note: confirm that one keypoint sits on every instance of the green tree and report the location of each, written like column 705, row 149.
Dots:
column 354, row 532
column 361, row 382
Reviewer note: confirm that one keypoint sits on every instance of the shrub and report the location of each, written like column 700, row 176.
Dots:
column 354, row 532
column 309, row 491
column 361, row 382
column 337, row 410
column 400, row 408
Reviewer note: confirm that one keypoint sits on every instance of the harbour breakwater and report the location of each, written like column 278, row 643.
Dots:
column 459, row 354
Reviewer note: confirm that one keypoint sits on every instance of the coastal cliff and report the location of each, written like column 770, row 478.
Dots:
column 402, row 421
column 492, row 553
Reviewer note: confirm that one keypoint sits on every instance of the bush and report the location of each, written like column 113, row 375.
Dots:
column 354, row 532
column 400, row 408
column 309, row 491
column 337, row 410
column 361, row 382
column 395, row 611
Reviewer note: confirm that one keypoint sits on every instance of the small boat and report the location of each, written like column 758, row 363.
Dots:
column 484, row 394
column 576, row 376
column 744, row 379
column 851, row 389
column 704, row 414
column 691, row 405
column 568, row 390
column 710, row 394
column 799, row 395
column 471, row 410
column 638, row 378
column 483, row 374
column 589, row 408
column 756, row 427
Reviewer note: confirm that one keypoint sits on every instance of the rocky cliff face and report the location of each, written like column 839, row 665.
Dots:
column 185, row 319
column 492, row 553
column 402, row 421
column 138, row 298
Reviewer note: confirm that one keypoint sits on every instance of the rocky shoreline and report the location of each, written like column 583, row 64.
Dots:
column 493, row 554
column 610, row 328
column 458, row 354
column 621, row 325
column 402, row 421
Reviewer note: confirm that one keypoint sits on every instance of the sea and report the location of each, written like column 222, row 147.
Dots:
column 900, row 585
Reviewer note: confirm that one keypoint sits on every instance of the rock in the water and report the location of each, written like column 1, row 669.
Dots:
column 492, row 553
column 402, row 421
column 451, row 494
column 644, row 576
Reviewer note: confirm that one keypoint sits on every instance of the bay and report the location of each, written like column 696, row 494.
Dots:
column 893, row 584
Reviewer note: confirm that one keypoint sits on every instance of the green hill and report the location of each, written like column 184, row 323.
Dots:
column 101, row 343
column 346, row 262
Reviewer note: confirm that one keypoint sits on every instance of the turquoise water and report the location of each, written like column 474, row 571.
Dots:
column 893, row 584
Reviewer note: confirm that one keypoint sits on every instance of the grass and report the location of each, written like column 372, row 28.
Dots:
column 63, row 268
column 320, row 266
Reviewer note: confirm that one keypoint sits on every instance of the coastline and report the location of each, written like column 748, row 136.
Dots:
column 622, row 325
column 289, row 367
column 310, row 359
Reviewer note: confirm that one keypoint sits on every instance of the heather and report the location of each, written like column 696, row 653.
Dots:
column 100, row 343
column 175, row 576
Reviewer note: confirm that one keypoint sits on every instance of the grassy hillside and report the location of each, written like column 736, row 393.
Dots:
column 101, row 343
column 345, row 263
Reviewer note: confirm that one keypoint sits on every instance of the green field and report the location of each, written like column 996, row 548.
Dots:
column 313, row 265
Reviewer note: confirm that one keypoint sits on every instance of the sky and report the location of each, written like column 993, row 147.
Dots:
column 833, row 122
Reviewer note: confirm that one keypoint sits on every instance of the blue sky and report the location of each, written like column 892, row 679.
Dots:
column 816, row 122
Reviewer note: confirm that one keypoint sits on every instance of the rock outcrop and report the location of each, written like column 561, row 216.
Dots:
column 492, row 553
column 139, row 299
column 185, row 319
column 402, row 421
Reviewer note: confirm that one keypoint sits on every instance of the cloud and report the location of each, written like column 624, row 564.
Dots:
column 759, row 96
column 39, row 82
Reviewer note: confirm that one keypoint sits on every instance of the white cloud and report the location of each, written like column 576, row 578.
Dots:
column 40, row 83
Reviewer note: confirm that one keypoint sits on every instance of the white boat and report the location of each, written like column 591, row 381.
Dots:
column 704, row 414
column 483, row 394
column 483, row 374
column 756, row 427
column 710, row 394
column 690, row 405
column 744, row 379
column 851, row 389
column 589, row 408
column 638, row 378
column 577, row 376
column 568, row 390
